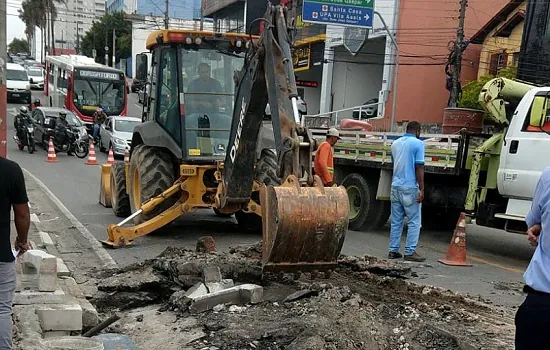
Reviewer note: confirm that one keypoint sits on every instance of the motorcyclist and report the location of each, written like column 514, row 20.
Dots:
column 99, row 118
column 61, row 127
column 20, row 119
column 34, row 105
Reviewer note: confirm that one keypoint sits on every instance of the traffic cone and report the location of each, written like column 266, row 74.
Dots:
column 52, row 157
column 111, row 156
column 91, row 156
column 126, row 155
column 456, row 254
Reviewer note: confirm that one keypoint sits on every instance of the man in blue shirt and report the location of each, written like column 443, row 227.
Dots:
column 533, row 316
column 407, row 192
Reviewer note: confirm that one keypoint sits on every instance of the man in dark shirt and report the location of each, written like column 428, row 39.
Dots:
column 13, row 194
column 201, row 89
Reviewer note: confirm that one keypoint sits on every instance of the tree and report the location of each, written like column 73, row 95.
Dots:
column 38, row 13
column 470, row 91
column 18, row 45
column 101, row 35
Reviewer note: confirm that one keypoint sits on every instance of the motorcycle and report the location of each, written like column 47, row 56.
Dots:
column 75, row 144
column 25, row 135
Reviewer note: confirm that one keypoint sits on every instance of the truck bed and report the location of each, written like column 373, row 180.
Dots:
column 444, row 154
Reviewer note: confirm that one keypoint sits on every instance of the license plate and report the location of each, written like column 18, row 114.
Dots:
column 15, row 95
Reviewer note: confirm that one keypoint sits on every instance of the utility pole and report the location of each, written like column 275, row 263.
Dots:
column 3, row 92
column 166, row 17
column 77, row 48
column 106, row 47
column 453, row 101
column 114, row 47
column 202, row 17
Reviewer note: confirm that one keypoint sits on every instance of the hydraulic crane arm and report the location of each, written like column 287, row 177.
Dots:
column 267, row 76
column 497, row 92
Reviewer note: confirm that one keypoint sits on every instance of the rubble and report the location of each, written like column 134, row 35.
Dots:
column 367, row 303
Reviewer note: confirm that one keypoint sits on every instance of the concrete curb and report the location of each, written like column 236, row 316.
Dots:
column 105, row 258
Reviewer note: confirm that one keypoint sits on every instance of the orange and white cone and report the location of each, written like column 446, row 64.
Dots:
column 111, row 156
column 456, row 254
column 52, row 157
column 91, row 156
column 126, row 155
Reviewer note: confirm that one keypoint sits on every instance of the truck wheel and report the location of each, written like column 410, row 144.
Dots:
column 266, row 173
column 366, row 213
column 151, row 173
column 120, row 201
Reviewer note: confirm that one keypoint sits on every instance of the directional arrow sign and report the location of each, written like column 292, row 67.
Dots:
column 344, row 15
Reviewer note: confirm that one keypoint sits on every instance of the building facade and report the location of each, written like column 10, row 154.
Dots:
column 500, row 39
column 186, row 9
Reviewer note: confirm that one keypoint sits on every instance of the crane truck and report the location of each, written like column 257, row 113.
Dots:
column 489, row 175
column 203, row 144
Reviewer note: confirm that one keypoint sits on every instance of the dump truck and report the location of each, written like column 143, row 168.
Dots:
column 490, row 175
column 203, row 145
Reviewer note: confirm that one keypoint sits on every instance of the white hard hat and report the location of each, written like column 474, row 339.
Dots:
column 333, row 132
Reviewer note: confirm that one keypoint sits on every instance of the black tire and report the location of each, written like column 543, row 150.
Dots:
column 266, row 173
column 101, row 148
column 366, row 212
column 31, row 147
column 156, row 173
column 81, row 149
column 120, row 201
column 220, row 214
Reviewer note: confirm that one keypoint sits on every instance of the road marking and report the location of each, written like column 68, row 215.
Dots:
column 138, row 106
column 12, row 111
column 96, row 246
column 34, row 218
column 487, row 262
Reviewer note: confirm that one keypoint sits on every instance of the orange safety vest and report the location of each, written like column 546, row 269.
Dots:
column 324, row 162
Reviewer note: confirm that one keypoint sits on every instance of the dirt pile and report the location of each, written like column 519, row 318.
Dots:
column 366, row 303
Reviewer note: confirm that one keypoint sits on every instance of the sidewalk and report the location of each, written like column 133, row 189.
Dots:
column 50, row 307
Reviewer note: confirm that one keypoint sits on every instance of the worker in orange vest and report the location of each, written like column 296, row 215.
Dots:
column 324, row 161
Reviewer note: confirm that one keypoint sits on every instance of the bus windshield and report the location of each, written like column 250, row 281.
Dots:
column 90, row 94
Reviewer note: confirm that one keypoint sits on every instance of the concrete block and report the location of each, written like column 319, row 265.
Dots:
column 217, row 286
column 60, row 317
column 252, row 293
column 212, row 274
column 45, row 239
column 70, row 287
column 243, row 294
column 56, row 334
column 47, row 282
column 90, row 317
column 30, row 297
column 197, row 290
column 62, row 269
column 44, row 265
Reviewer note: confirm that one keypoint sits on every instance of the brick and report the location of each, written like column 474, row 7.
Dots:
column 90, row 317
column 60, row 317
column 243, row 294
column 252, row 293
column 30, row 297
column 211, row 273
column 197, row 290
column 45, row 239
column 217, row 286
column 62, row 269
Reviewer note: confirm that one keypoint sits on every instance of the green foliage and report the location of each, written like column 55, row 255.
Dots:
column 18, row 46
column 96, row 35
column 471, row 90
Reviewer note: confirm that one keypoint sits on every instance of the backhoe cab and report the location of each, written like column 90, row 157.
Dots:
column 203, row 144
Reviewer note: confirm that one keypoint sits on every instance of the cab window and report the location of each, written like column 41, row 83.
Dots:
column 167, row 102
column 538, row 119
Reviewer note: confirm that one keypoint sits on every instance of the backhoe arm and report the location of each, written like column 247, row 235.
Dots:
column 267, row 75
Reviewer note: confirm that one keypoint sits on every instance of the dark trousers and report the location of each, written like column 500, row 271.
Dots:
column 533, row 321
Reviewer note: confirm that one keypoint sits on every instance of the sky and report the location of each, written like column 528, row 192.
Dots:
column 16, row 28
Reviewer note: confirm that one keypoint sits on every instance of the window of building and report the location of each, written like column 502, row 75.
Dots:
column 498, row 61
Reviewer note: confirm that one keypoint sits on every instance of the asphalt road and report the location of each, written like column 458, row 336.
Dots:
column 499, row 258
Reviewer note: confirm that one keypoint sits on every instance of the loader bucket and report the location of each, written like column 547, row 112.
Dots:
column 303, row 227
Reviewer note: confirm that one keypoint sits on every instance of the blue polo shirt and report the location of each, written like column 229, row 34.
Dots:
column 407, row 151
column 537, row 275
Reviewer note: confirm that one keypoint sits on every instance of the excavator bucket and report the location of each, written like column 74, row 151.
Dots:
column 303, row 227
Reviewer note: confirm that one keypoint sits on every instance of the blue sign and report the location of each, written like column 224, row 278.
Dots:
column 352, row 16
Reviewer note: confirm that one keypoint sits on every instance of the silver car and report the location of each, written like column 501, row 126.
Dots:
column 116, row 132
column 36, row 77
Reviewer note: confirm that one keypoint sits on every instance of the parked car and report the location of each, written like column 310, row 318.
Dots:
column 302, row 108
column 137, row 85
column 36, row 77
column 367, row 112
column 45, row 119
column 116, row 132
column 17, row 82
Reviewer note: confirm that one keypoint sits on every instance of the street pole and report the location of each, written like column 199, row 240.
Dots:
column 453, row 101
column 166, row 15
column 77, row 48
column 202, row 18
column 106, row 47
column 3, row 96
column 114, row 48
column 396, row 71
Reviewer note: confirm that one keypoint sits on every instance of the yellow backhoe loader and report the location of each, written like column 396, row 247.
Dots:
column 203, row 144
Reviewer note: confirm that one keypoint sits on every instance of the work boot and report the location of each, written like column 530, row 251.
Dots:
column 415, row 257
column 394, row 255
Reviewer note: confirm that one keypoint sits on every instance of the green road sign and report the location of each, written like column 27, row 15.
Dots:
column 356, row 3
